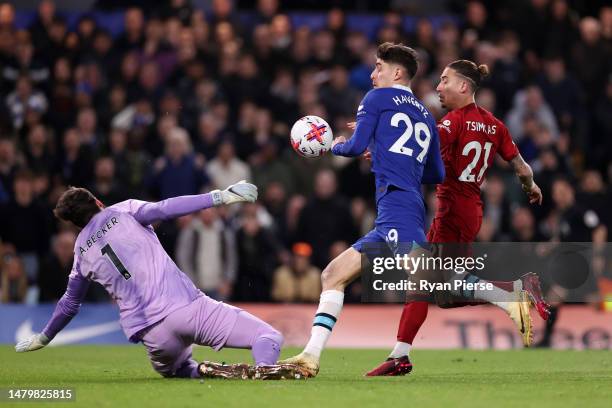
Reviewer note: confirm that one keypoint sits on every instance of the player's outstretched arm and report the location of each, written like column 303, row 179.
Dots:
column 525, row 174
column 147, row 213
column 67, row 307
column 357, row 144
column 364, row 128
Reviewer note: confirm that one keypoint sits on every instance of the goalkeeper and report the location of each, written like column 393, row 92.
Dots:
column 158, row 304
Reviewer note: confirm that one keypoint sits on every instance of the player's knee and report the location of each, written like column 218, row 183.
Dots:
column 332, row 278
column 329, row 278
column 270, row 333
column 277, row 337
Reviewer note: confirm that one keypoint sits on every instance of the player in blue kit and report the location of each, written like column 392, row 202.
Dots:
column 403, row 140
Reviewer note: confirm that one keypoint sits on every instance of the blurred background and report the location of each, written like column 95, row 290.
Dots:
column 154, row 99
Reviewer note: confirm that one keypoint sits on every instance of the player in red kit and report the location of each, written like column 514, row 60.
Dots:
column 470, row 137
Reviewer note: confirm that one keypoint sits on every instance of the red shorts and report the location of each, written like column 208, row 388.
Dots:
column 456, row 220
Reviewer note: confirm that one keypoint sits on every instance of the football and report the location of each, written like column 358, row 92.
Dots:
column 311, row 136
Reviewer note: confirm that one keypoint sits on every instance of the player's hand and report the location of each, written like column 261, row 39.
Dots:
column 367, row 155
column 534, row 194
column 34, row 342
column 236, row 193
column 351, row 125
column 339, row 139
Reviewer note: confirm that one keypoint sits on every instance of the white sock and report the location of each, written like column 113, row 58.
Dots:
column 495, row 296
column 401, row 349
column 330, row 306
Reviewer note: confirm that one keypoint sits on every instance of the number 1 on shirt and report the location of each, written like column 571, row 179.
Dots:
column 108, row 250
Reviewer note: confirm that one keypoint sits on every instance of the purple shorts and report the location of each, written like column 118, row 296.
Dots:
column 205, row 322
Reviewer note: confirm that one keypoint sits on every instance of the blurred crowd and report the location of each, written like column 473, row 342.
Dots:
column 186, row 100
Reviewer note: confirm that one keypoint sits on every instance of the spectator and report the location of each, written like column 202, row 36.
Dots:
column 524, row 228
column 274, row 199
column 257, row 251
column 226, row 168
column 13, row 280
column 561, row 30
column 86, row 127
column 179, row 171
column 496, row 206
column 283, row 93
column 23, row 213
column 25, row 63
column 56, row 267
column 76, row 165
column 594, row 49
column 507, row 74
column 477, row 20
column 133, row 35
column 268, row 168
column 561, row 92
column 206, row 252
column 106, row 187
column 592, row 194
column 530, row 101
column 299, row 281
column 9, row 164
column 61, row 95
column 24, row 101
column 208, row 135
column 39, row 150
column 41, row 26
column 337, row 96
column 325, row 219
column 359, row 76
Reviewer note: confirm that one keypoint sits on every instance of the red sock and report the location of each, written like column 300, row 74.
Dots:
column 413, row 316
column 508, row 286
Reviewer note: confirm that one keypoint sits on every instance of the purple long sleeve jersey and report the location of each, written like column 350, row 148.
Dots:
column 119, row 249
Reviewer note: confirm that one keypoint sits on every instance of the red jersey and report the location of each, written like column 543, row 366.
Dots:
column 469, row 139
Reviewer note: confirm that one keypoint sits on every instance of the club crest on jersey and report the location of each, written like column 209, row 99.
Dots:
column 445, row 125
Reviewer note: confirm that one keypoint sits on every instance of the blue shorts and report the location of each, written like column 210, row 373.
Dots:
column 400, row 223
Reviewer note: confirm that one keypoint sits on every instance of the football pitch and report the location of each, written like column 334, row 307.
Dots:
column 120, row 376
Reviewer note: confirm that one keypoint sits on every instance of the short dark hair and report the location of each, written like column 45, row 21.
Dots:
column 399, row 54
column 76, row 205
column 469, row 69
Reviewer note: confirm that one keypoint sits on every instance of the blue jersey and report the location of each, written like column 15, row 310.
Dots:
column 403, row 138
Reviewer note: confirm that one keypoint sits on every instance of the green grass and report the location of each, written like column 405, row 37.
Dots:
column 120, row 376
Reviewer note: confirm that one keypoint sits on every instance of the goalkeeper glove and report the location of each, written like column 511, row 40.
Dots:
column 236, row 193
column 34, row 342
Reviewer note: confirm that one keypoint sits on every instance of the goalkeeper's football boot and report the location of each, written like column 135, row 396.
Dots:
column 209, row 369
column 531, row 284
column 392, row 367
column 306, row 361
column 279, row 372
column 519, row 313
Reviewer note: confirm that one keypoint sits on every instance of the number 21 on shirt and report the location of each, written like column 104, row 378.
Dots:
column 466, row 174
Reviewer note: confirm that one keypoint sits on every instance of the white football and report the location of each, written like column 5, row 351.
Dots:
column 311, row 136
